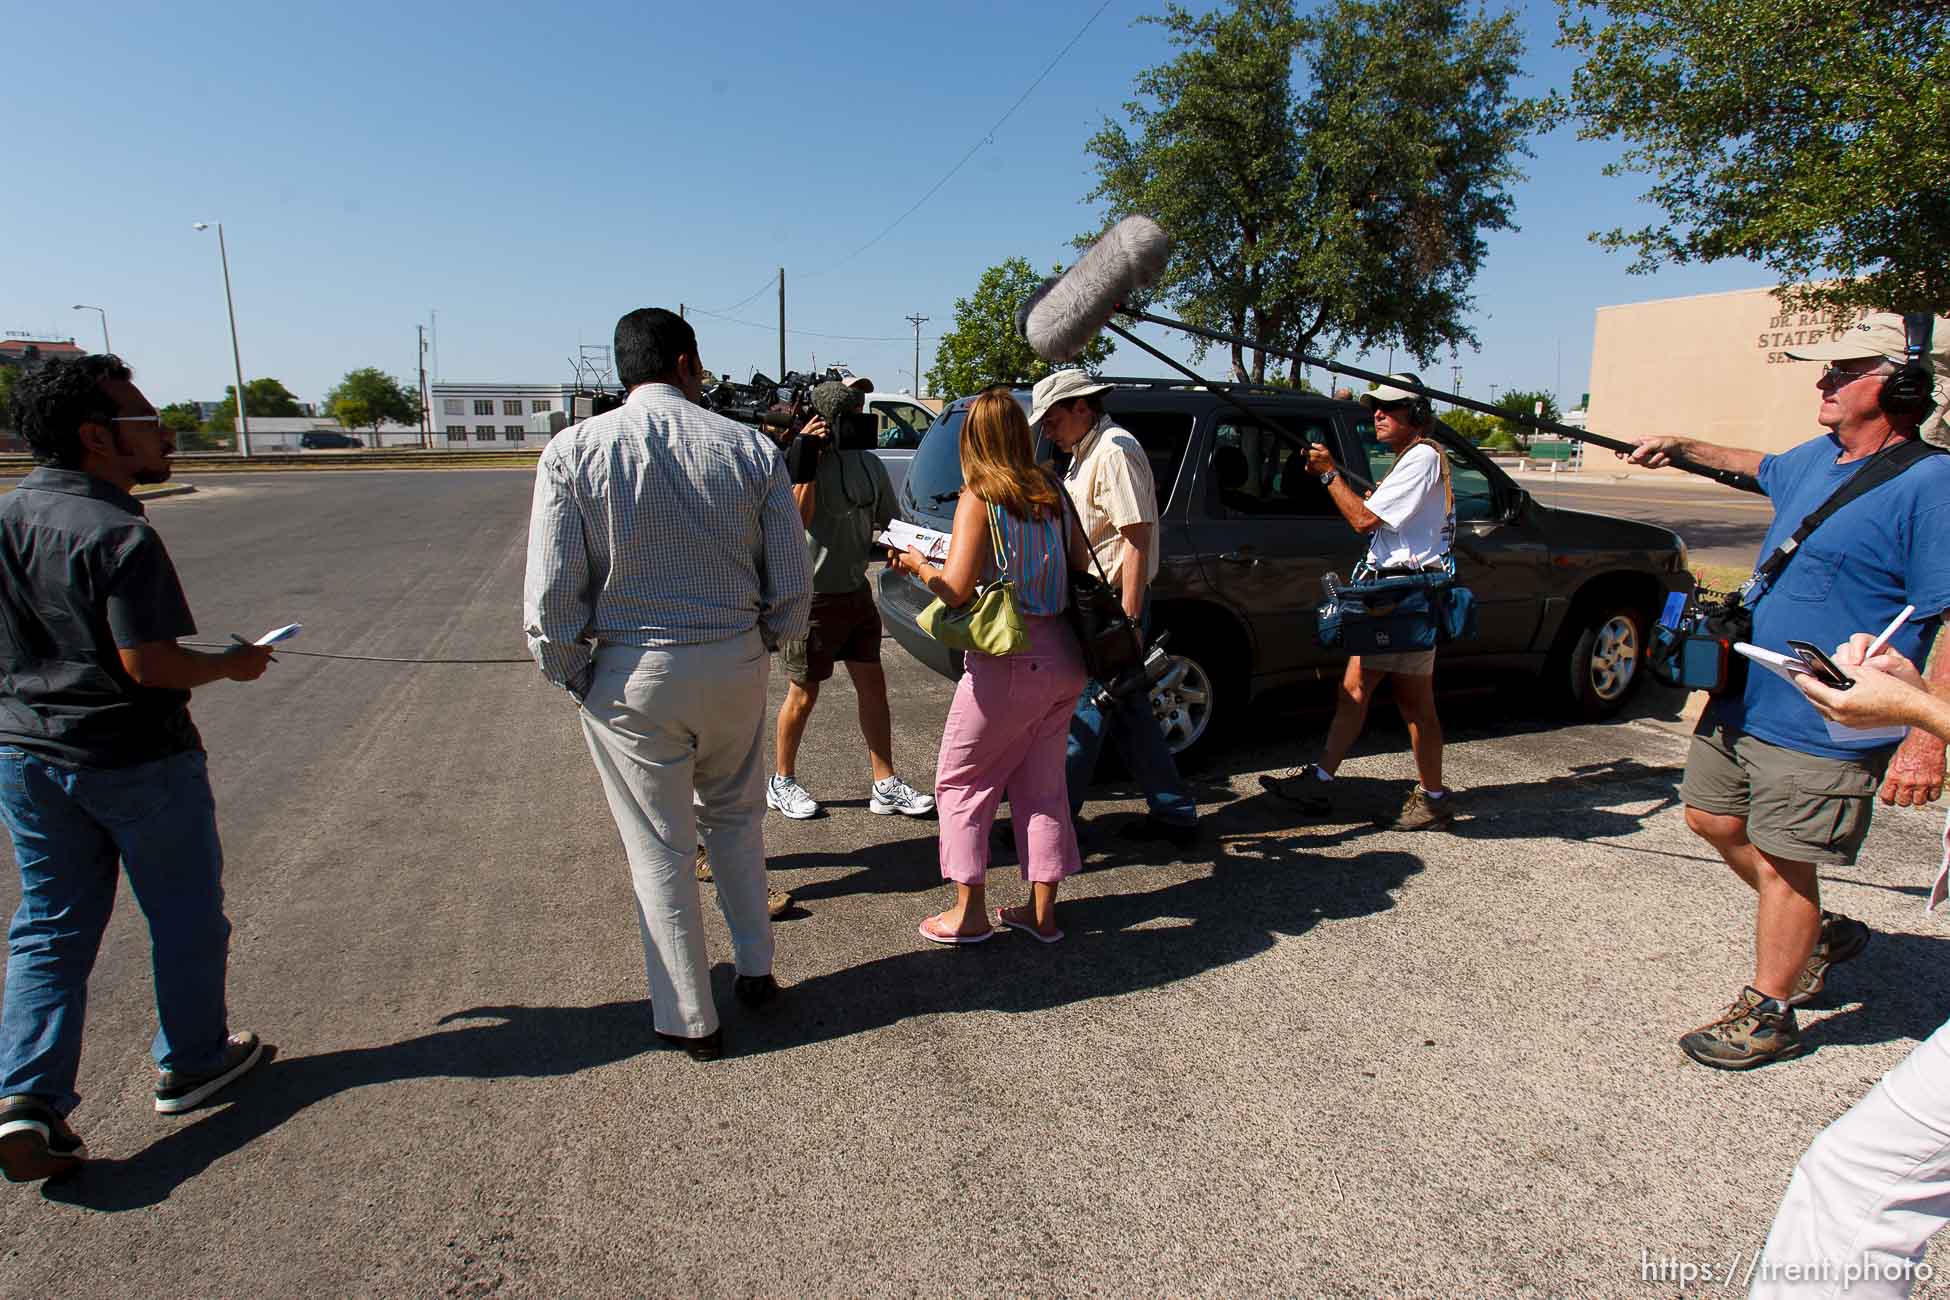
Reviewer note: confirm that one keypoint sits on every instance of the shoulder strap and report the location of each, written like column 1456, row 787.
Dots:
column 1882, row 467
column 1068, row 509
column 995, row 540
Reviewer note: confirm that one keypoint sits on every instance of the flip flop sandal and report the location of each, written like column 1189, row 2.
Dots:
column 1000, row 918
column 951, row 939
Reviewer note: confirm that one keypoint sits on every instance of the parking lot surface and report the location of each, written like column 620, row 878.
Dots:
column 1313, row 1059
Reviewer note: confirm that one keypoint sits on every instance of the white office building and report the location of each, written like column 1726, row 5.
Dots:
column 497, row 417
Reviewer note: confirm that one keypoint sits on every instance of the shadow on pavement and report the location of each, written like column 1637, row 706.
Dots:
column 1115, row 944
column 1895, row 986
column 499, row 1042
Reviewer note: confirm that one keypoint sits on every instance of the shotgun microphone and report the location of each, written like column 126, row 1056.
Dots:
column 1069, row 310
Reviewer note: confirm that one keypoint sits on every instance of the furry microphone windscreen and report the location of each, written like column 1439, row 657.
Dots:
column 1062, row 316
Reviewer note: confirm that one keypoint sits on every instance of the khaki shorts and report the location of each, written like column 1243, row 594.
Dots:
column 844, row 628
column 1801, row 807
column 1409, row 663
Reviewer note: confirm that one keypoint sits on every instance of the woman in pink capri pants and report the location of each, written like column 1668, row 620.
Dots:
column 1010, row 720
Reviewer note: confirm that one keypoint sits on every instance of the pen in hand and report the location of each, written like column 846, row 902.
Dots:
column 1877, row 646
column 240, row 641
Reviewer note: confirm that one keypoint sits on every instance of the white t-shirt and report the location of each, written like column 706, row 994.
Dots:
column 1418, row 521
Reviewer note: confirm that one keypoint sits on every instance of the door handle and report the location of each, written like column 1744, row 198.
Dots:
column 1240, row 558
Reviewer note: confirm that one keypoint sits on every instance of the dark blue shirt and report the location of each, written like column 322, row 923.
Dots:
column 82, row 572
column 1886, row 549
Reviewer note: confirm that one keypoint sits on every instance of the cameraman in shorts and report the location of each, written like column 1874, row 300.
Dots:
column 844, row 498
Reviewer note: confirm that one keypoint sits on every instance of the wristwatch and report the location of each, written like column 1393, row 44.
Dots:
column 1329, row 476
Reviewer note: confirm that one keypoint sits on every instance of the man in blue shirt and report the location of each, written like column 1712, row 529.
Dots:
column 1767, row 784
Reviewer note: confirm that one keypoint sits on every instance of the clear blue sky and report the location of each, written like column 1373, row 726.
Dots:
column 530, row 172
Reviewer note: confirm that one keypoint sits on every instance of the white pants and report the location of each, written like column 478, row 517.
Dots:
column 665, row 727
column 1868, row 1195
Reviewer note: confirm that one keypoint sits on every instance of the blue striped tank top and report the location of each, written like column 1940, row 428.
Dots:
column 1033, row 550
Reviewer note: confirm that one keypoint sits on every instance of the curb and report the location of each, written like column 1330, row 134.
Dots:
column 179, row 489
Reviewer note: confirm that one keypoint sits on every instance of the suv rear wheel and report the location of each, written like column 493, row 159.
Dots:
column 1603, row 659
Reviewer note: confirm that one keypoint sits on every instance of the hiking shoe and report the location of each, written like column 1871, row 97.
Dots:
column 1310, row 790
column 1422, row 813
column 777, row 901
column 790, row 798
column 1754, row 1030
column 703, row 864
column 178, row 1090
column 35, row 1142
column 896, row 796
column 1842, row 939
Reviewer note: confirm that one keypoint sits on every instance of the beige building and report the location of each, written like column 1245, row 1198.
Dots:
column 1712, row 366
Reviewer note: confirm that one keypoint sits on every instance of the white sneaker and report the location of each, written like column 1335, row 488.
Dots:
column 790, row 798
column 896, row 796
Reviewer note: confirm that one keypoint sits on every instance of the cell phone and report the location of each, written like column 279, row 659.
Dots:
column 1821, row 665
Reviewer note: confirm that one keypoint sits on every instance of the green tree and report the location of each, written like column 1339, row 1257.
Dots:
column 262, row 397
column 1326, row 180
column 1805, row 136
column 1473, row 425
column 984, row 348
column 8, row 375
column 180, row 417
column 368, row 397
column 185, row 421
column 1520, row 402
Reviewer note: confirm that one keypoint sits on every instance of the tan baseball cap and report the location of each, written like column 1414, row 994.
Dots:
column 1060, row 386
column 1381, row 394
column 859, row 383
column 1877, row 334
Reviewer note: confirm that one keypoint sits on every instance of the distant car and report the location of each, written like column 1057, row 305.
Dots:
column 318, row 440
column 1247, row 533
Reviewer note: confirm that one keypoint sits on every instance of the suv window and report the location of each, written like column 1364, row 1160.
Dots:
column 900, row 424
column 1475, row 498
column 934, row 475
column 1163, row 435
column 1259, row 472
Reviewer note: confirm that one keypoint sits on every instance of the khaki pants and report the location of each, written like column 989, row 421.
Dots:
column 664, row 726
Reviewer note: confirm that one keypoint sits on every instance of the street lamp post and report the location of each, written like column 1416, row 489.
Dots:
column 236, row 358
column 82, row 306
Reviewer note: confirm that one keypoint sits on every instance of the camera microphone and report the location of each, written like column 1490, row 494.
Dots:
column 1061, row 318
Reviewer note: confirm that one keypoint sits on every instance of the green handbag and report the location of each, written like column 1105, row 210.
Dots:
column 989, row 623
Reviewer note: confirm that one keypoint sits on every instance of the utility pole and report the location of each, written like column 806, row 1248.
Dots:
column 680, row 312
column 1455, row 377
column 782, row 324
column 919, row 320
column 1492, row 394
column 426, row 399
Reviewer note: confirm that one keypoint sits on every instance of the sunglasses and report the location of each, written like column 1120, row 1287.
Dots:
column 1842, row 378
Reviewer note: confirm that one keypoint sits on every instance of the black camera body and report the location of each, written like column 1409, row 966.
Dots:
column 855, row 432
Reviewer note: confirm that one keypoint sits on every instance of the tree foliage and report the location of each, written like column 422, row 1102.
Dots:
column 262, row 397
column 8, row 374
column 1522, row 402
column 180, row 417
column 983, row 347
column 1327, row 179
column 1473, row 425
column 1806, row 136
column 369, row 397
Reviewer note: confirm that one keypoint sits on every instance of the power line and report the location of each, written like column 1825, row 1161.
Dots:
column 815, row 334
column 769, row 282
column 987, row 138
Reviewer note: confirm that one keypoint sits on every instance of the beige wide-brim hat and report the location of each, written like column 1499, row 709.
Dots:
column 1381, row 394
column 1060, row 387
column 1877, row 334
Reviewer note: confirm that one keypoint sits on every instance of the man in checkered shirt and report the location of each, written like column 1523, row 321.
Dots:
column 665, row 561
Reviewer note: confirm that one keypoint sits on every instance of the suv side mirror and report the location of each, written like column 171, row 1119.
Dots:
column 1518, row 504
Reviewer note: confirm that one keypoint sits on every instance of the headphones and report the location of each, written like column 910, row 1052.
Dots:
column 1911, row 390
column 1419, row 406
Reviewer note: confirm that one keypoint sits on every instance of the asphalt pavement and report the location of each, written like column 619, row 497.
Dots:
column 1314, row 1059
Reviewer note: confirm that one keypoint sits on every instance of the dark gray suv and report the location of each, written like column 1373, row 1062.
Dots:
column 1247, row 534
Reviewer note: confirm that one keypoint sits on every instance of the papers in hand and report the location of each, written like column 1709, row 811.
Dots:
column 278, row 634
column 1788, row 667
column 901, row 535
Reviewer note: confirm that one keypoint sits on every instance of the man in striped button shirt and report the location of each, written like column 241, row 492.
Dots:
column 665, row 561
